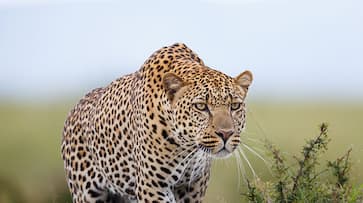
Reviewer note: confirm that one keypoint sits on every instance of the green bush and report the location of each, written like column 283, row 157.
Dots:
column 304, row 181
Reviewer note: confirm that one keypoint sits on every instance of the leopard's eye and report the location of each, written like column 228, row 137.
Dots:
column 201, row 106
column 235, row 106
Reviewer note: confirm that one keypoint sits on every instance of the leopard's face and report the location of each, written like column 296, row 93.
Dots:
column 219, row 123
column 210, row 112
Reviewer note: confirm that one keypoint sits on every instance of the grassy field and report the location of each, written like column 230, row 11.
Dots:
column 30, row 135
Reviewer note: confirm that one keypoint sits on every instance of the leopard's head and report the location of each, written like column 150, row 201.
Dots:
column 209, row 109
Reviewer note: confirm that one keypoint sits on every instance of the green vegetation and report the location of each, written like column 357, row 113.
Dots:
column 288, row 126
column 30, row 163
column 31, row 168
column 303, row 182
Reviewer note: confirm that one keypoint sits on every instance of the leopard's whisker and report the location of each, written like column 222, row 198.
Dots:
column 256, row 153
column 194, row 166
column 186, row 152
column 247, row 161
column 185, row 159
column 240, row 168
column 178, row 153
column 253, row 140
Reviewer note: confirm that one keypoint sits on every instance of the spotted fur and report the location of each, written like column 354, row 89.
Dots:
column 150, row 136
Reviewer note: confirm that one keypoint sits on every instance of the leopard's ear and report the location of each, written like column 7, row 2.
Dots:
column 172, row 83
column 244, row 79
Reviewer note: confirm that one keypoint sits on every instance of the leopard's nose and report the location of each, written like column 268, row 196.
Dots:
column 224, row 134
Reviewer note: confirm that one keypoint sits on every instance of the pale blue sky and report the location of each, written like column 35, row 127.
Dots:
column 296, row 49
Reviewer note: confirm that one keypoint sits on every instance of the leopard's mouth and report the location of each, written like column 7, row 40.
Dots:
column 218, row 153
column 218, row 148
column 222, row 153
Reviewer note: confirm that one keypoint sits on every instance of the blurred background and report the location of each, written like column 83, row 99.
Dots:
column 306, row 56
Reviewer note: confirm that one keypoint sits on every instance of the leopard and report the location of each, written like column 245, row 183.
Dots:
column 152, row 135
